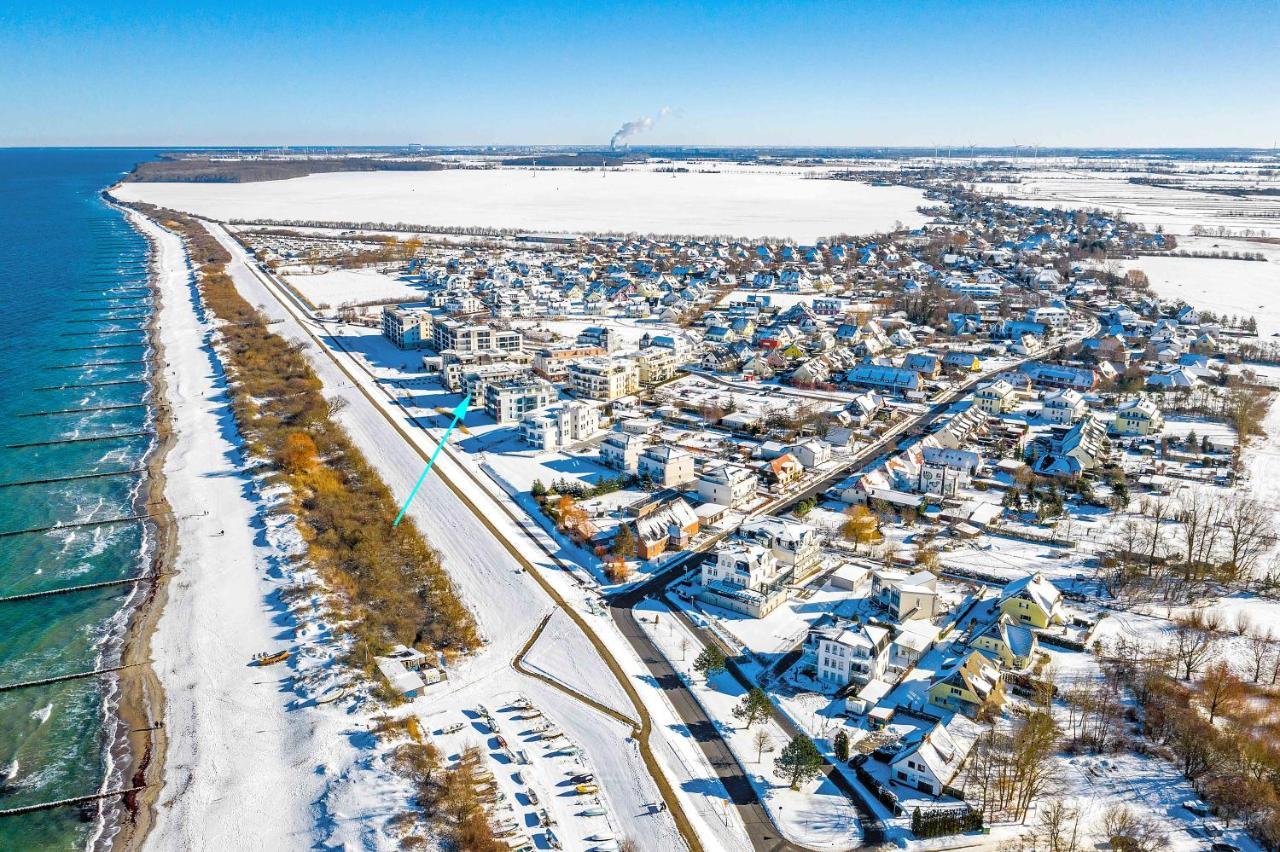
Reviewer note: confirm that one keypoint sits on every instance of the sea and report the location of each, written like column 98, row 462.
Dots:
column 73, row 402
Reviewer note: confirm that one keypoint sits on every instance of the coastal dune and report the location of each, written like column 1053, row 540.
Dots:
column 236, row 772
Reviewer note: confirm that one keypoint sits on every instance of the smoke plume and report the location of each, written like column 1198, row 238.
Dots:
column 639, row 125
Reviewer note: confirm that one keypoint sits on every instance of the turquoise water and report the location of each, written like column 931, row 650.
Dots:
column 60, row 247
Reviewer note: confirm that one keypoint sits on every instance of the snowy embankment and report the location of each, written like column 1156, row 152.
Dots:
column 761, row 203
column 507, row 602
column 240, row 763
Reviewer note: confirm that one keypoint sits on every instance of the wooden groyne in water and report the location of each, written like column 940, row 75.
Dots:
column 77, row 800
column 84, row 410
column 52, row 479
column 92, row 384
column 83, row 587
column 102, row 332
column 91, row 348
column 83, row 440
column 76, row 525
column 45, row 681
column 94, row 364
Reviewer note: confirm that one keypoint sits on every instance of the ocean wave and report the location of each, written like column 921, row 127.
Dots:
column 41, row 714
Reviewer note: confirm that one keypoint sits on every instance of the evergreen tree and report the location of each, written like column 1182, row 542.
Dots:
column 754, row 707
column 624, row 543
column 800, row 761
column 841, row 746
column 710, row 662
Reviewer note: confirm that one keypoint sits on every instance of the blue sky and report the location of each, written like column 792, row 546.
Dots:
column 743, row 73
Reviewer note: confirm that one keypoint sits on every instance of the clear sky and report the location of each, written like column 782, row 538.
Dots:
column 741, row 73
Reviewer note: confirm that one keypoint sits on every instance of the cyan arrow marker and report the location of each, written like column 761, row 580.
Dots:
column 458, row 413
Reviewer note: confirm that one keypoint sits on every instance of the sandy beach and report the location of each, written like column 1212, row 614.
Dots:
column 140, row 741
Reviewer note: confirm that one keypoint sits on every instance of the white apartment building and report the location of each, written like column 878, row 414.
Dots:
column 449, row 334
column 795, row 545
column 1064, row 406
column 655, row 365
column 743, row 579
column 621, row 451
column 727, row 484
column 852, row 654
column 407, row 328
column 906, row 596
column 604, row 379
column 510, row 400
column 668, row 467
column 560, row 425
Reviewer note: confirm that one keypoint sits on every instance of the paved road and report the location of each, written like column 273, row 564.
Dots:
column 732, row 776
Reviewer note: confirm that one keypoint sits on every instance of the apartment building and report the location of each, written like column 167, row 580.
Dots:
column 605, row 379
column 509, row 400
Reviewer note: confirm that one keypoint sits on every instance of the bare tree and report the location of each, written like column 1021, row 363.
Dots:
column 1193, row 641
column 1059, row 825
column 1249, row 532
column 1261, row 648
column 761, row 741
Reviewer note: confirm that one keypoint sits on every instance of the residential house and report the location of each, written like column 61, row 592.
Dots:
column 1139, row 417
column 1013, row 645
column 906, row 596
column 727, row 484
column 621, row 451
column 931, row 760
column 1064, row 406
column 1033, row 600
column 996, row 398
column 847, row 654
column 666, row 466
column 743, row 578
column 796, row 546
column 671, row 526
column 969, row 686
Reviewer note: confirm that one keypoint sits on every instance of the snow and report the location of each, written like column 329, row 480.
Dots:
column 817, row 815
column 232, row 737
column 1177, row 210
column 507, row 602
column 339, row 286
column 738, row 202
column 1232, row 287
column 554, row 655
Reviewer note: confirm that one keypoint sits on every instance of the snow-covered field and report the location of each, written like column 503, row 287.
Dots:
column 1224, row 286
column 339, row 286
column 1070, row 185
column 737, row 202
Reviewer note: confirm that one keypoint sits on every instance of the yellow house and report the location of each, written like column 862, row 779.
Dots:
column 1014, row 646
column 970, row 685
column 1033, row 601
column 1139, row 417
column 996, row 398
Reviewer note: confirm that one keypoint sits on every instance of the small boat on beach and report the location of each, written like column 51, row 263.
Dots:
column 265, row 659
